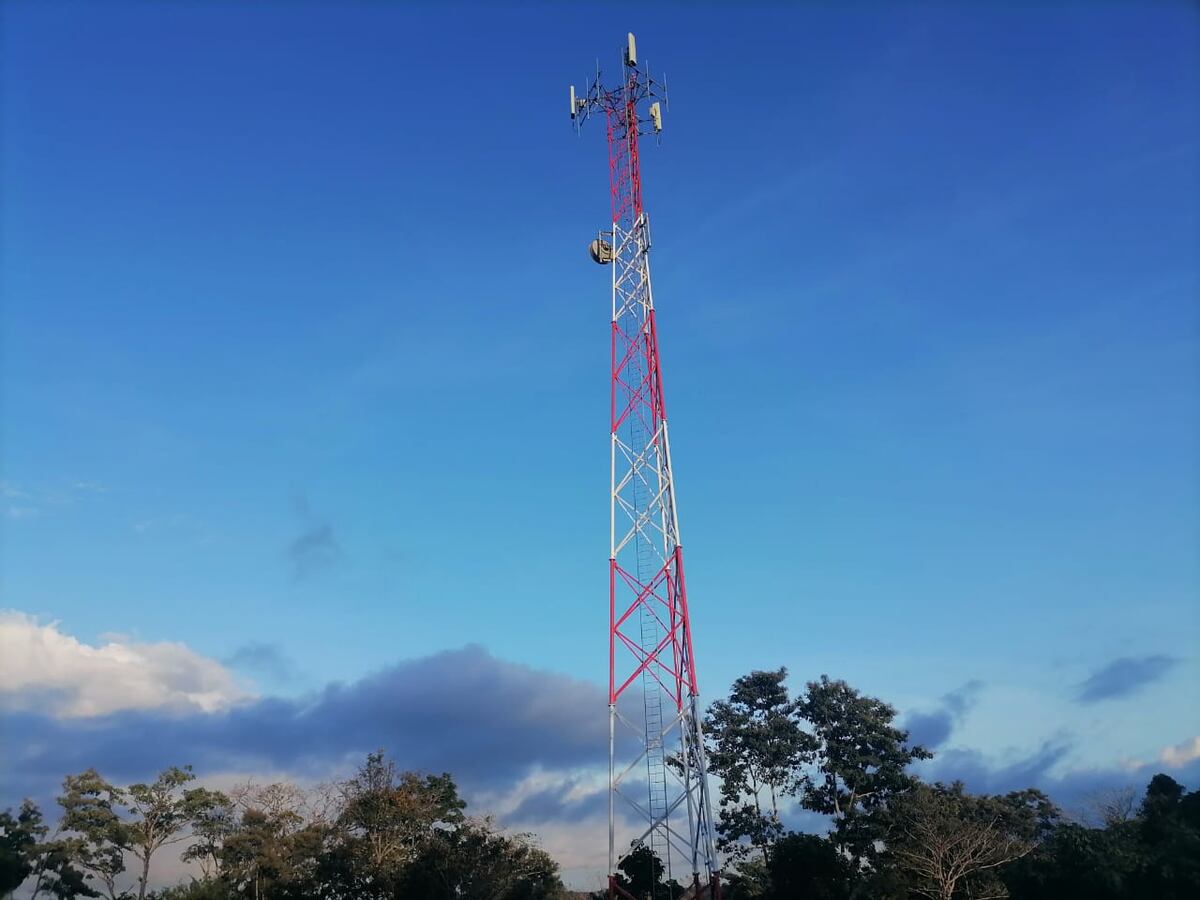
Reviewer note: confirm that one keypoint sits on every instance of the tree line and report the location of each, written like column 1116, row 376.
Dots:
column 838, row 753
column 831, row 751
column 380, row 834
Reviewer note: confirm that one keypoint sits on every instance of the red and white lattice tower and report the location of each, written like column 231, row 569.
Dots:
column 657, row 771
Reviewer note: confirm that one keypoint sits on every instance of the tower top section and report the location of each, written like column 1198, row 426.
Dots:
column 631, row 106
column 636, row 101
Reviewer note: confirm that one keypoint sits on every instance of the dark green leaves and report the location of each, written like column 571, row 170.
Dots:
column 755, row 745
column 860, row 761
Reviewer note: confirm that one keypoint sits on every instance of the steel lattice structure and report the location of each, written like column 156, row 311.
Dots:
column 650, row 635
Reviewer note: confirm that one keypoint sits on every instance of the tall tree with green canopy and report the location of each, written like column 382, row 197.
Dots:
column 755, row 746
column 256, row 857
column 860, row 760
column 213, row 820
column 270, row 851
column 388, row 816
column 99, row 837
column 19, row 837
column 160, row 813
column 1169, row 838
column 26, row 852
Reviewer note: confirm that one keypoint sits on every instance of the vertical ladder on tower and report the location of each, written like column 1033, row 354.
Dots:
column 651, row 632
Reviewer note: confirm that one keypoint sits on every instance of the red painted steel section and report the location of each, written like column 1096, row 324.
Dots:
column 693, row 683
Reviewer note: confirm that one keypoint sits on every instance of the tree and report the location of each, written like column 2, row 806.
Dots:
column 950, row 843
column 1168, row 832
column 755, row 745
column 26, row 852
column 475, row 862
column 805, row 865
column 392, row 813
column 387, row 817
column 160, row 812
column 1155, row 855
column 1078, row 863
column 57, row 875
column 747, row 880
column 213, row 821
column 100, row 838
column 279, row 800
column 256, row 857
column 1112, row 806
column 642, row 875
column 271, row 848
column 860, row 762
column 19, row 836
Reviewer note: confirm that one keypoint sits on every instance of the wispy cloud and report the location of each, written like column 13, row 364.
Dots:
column 11, row 491
column 1124, row 677
column 16, row 502
column 264, row 660
column 89, row 487
column 27, row 501
column 932, row 729
column 316, row 547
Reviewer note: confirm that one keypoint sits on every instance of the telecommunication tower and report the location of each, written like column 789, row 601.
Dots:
column 650, row 635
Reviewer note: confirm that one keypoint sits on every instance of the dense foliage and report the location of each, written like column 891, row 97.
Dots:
column 892, row 837
column 832, row 752
column 379, row 835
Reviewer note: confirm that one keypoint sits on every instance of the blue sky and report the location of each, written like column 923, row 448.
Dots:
column 304, row 360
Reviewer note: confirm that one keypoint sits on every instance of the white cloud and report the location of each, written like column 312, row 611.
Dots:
column 19, row 502
column 90, row 487
column 1180, row 754
column 11, row 490
column 1175, row 756
column 41, row 668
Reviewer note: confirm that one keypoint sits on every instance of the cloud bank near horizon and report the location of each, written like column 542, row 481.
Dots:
column 510, row 734
column 530, row 745
column 130, row 709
